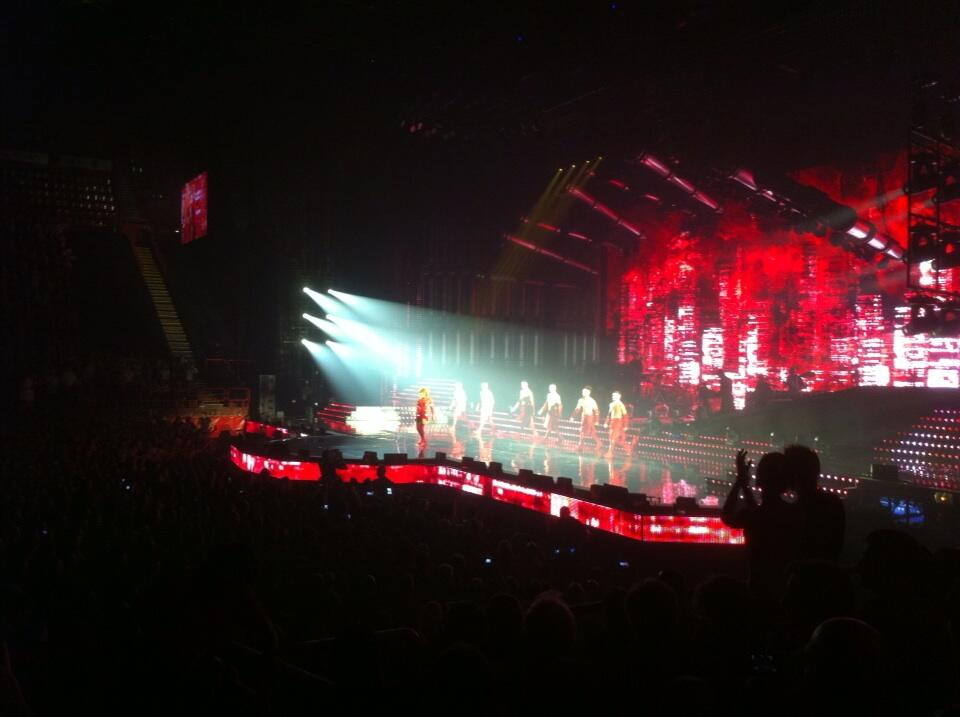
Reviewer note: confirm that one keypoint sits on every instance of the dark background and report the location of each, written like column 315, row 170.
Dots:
column 352, row 144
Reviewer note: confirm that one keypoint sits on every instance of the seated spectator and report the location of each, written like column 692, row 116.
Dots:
column 846, row 671
column 551, row 631
column 142, row 572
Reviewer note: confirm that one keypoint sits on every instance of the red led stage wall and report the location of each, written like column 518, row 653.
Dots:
column 193, row 209
column 650, row 528
column 747, row 299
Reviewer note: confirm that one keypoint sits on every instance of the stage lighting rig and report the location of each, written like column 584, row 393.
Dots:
column 603, row 209
column 933, row 234
column 664, row 170
column 949, row 256
column 934, row 315
column 949, row 186
column 924, row 173
column 810, row 210
column 924, row 243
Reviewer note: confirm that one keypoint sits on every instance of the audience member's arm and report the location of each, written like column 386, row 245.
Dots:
column 733, row 511
column 729, row 513
column 743, row 478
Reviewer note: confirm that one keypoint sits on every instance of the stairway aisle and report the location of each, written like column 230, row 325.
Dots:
column 167, row 313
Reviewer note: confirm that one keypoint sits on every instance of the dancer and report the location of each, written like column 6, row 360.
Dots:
column 458, row 408
column 486, row 409
column 616, row 422
column 424, row 414
column 589, row 413
column 553, row 408
column 523, row 408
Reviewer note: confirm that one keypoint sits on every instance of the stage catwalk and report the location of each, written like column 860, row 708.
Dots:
column 660, row 481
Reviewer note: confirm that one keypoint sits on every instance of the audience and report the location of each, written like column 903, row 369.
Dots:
column 142, row 573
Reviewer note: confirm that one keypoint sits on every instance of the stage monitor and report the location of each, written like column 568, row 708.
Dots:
column 193, row 209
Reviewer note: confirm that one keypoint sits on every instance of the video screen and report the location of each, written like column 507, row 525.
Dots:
column 193, row 209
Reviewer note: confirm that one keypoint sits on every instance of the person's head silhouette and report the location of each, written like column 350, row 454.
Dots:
column 803, row 466
column 772, row 476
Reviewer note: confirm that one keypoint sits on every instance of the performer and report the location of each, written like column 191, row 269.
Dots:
column 616, row 422
column 424, row 414
column 589, row 413
column 795, row 383
column 458, row 408
column 523, row 408
column 553, row 408
column 486, row 409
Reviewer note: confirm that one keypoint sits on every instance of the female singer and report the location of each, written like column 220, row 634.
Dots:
column 424, row 413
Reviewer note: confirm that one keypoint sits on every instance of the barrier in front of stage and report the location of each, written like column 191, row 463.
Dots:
column 642, row 526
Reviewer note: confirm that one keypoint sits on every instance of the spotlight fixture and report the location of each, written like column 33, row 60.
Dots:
column 810, row 210
column 663, row 170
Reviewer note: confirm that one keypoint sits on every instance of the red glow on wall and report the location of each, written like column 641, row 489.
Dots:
column 636, row 526
column 193, row 209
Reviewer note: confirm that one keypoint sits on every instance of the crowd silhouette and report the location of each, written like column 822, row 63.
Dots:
column 142, row 573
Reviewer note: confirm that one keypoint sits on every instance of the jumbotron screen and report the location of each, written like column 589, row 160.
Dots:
column 193, row 209
column 747, row 301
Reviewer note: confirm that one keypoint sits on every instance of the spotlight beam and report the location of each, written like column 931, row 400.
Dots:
column 347, row 299
column 322, row 300
column 356, row 332
column 328, row 326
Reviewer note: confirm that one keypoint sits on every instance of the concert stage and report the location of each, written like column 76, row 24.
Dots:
column 671, row 470
column 912, row 434
column 662, row 482
column 915, row 433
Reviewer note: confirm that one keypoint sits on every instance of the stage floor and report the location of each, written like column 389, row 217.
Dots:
column 659, row 481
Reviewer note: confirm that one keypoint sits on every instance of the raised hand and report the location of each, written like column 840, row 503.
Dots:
column 743, row 467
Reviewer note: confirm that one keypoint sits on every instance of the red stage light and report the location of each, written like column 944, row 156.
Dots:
column 636, row 526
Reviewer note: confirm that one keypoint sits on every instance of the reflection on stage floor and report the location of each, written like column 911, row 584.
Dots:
column 661, row 482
